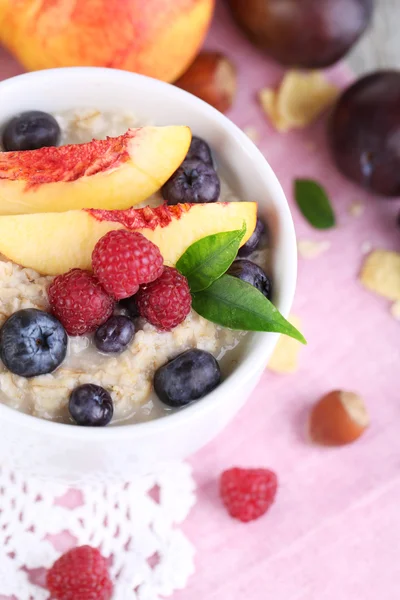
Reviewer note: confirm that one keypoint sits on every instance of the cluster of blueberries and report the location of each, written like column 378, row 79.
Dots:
column 33, row 342
column 196, row 181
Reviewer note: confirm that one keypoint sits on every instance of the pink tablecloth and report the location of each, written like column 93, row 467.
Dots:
column 334, row 532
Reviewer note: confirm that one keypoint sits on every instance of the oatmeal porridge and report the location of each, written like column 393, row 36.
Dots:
column 127, row 376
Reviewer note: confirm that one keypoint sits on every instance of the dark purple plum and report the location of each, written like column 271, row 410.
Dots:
column 199, row 150
column 307, row 33
column 30, row 131
column 248, row 271
column 194, row 182
column 254, row 241
column 364, row 133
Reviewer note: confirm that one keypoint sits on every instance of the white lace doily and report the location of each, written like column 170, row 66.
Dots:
column 133, row 524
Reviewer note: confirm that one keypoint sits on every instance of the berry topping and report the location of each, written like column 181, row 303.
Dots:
column 248, row 271
column 91, row 405
column 165, row 302
column 130, row 305
column 80, row 574
column 199, row 150
column 193, row 182
column 253, row 242
column 187, row 377
column 32, row 342
column 123, row 260
column 115, row 334
column 248, row 493
column 79, row 302
column 30, row 131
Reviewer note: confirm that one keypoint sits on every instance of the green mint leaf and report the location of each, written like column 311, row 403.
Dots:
column 209, row 258
column 233, row 303
column 314, row 203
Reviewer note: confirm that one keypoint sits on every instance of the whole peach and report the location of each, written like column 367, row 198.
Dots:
column 159, row 38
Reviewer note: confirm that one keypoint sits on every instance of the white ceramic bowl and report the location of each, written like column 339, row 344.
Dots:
column 74, row 454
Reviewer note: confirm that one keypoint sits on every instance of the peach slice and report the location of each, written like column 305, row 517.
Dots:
column 53, row 243
column 113, row 173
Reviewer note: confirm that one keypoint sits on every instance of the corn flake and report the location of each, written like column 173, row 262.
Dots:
column 299, row 100
column 285, row 356
column 381, row 273
column 268, row 103
column 312, row 249
column 356, row 209
column 395, row 310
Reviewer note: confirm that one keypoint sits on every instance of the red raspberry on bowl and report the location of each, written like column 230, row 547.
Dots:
column 248, row 493
column 122, row 260
column 165, row 302
column 79, row 302
column 80, row 573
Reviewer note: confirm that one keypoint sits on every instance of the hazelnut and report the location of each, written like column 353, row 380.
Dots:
column 211, row 77
column 338, row 418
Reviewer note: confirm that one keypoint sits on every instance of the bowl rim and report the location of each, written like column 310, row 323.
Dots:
column 250, row 366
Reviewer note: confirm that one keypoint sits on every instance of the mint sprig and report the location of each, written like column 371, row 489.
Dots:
column 209, row 258
column 227, row 300
column 314, row 203
column 233, row 303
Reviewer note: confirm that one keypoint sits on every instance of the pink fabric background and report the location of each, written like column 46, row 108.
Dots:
column 334, row 531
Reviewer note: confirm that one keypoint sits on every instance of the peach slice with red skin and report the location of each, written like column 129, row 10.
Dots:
column 54, row 243
column 115, row 173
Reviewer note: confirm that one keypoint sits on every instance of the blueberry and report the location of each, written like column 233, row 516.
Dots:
column 32, row 342
column 193, row 182
column 91, row 405
column 30, row 131
column 253, row 241
column 199, row 150
column 187, row 377
column 130, row 306
column 115, row 334
column 248, row 271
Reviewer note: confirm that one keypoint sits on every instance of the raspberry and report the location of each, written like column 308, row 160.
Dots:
column 248, row 493
column 165, row 302
column 122, row 260
column 79, row 302
column 80, row 574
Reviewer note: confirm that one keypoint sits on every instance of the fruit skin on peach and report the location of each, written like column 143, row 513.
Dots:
column 113, row 173
column 54, row 243
column 159, row 38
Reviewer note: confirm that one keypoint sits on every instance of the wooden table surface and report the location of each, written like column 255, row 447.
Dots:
column 380, row 46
